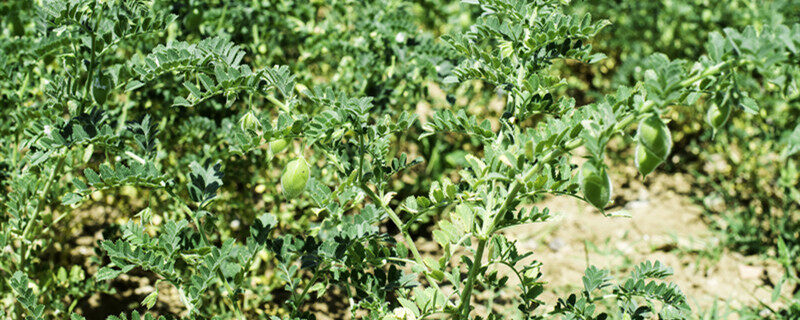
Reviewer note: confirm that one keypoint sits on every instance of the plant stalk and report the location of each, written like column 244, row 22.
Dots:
column 517, row 185
column 407, row 237
column 39, row 207
column 204, row 238
column 466, row 294
column 302, row 296
column 512, row 194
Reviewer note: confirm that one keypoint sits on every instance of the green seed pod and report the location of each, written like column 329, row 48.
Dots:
column 529, row 149
column 101, row 88
column 249, row 122
column 490, row 251
column 278, row 145
column 192, row 20
column 718, row 115
column 595, row 184
column 423, row 202
column 654, row 144
column 438, row 275
column 294, row 178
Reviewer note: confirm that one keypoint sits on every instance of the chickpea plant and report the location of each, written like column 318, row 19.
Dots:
column 120, row 102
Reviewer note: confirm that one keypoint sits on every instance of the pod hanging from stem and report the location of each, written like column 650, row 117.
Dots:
column 654, row 144
column 595, row 184
column 294, row 178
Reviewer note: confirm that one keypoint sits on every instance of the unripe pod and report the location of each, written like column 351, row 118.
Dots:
column 437, row 274
column 101, row 88
column 490, row 251
column 717, row 115
column 654, row 144
column 249, row 122
column 294, row 178
column 529, row 149
column 595, row 184
column 278, row 145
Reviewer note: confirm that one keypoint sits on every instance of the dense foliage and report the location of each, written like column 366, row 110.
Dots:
column 746, row 171
column 263, row 157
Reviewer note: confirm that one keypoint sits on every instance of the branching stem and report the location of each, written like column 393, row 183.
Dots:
column 25, row 249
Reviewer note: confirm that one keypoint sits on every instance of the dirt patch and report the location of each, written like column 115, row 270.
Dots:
column 664, row 225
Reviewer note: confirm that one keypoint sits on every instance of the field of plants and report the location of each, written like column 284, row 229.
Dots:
column 399, row 159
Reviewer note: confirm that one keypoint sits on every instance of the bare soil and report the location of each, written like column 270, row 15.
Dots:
column 664, row 225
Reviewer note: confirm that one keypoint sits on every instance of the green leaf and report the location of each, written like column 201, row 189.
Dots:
column 193, row 89
column 595, row 279
column 150, row 300
column 106, row 273
column 25, row 295
column 749, row 105
column 204, row 182
column 133, row 85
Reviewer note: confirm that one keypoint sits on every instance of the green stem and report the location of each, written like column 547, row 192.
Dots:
column 278, row 103
column 299, row 299
column 204, row 238
column 517, row 185
column 15, row 157
column 123, row 118
column 56, row 221
column 710, row 71
column 24, row 85
column 18, row 141
column 39, row 207
column 221, row 21
column 466, row 294
column 361, row 159
column 406, row 236
column 93, row 61
column 228, row 287
column 512, row 195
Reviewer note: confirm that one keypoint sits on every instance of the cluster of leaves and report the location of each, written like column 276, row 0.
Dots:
column 156, row 105
column 681, row 29
column 749, row 191
column 512, row 46
column 641, row 282
column 758, row 219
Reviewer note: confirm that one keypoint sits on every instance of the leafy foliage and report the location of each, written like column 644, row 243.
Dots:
column 635, row 295
column 163, row 115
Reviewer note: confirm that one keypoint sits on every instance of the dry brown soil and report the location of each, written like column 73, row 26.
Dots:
column 664, row 225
